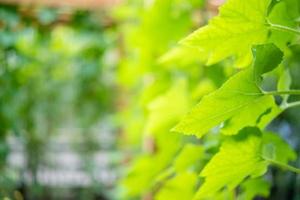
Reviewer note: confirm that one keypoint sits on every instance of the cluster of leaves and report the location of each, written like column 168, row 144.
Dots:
column 51, row 74
column 237, row 66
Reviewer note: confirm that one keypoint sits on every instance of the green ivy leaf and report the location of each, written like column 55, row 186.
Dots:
column 266, row 58
column 232, row 33
column 238, row 158
column 239, row 95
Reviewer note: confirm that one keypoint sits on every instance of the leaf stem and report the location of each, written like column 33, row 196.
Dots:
column 284, row 166
column 291, row 92
column 293, row 104
column 283, row 28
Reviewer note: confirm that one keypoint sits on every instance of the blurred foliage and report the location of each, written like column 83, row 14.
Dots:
column 160, row 88
column 54, row 71
column 161, row 80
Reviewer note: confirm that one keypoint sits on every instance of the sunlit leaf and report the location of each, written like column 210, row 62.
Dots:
column 239, row 94
column 238, row 158
column 238, row 26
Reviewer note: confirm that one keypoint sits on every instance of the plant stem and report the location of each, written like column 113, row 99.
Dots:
column 291, row 92
column 293, row 104
column 283, row 28
column 284, row 166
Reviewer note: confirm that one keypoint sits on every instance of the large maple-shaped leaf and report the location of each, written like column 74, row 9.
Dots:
column 239, row 95
column 238, row 158
column 247, row 154
column 260, row 113
column 266, row 58
column 239, row 25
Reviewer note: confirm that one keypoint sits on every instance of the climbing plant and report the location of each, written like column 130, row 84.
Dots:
column 206, row 111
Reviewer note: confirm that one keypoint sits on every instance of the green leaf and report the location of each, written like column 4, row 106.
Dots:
column 277, row 149
column 264, row 111
column 266, row 58
column 284, row 13
column 204, row 87
column 188, row 157
column 137, row 181
column 173, row 189
column 222, row 195
column 278, row 153
column 293, row 6
column 238, row 158
column 182, row 56
column 254, row 187
column 167, row 109
column 239, row 95
column 232, row 33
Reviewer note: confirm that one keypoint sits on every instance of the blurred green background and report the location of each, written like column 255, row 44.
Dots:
column 57, row 97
